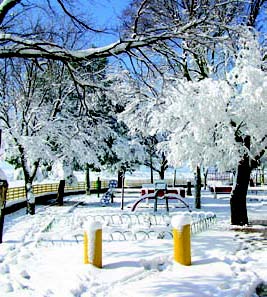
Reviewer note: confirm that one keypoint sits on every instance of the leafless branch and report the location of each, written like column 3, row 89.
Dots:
column 76, row 20
column 6, row 6
column 15, row 46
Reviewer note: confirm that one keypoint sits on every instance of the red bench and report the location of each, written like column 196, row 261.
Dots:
column 220, row 190
column 178, row 191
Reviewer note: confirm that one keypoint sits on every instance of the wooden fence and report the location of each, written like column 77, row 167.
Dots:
column 19, row 192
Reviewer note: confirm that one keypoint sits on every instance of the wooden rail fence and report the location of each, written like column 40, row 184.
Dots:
column 19, row 192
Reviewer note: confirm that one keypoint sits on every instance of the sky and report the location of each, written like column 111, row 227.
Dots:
column 106, row 13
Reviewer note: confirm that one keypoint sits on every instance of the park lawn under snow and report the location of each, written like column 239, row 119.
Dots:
column 41, row 259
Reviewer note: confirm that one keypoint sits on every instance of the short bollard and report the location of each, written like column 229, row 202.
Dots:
column 93, row 245
column 85, row 248
column 182, row 239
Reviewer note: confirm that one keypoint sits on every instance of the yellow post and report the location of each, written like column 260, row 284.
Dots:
column 182, row 240
column 85, row 248
column 93, row 245
column 96, row 256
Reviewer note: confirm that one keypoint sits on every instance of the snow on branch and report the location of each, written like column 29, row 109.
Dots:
column 16, row 46
column 6, row 6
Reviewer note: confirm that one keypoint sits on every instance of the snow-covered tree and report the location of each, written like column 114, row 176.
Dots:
column 43, row 120
column 28, row 45
column 137, row 101
column 150, row 33
column 29, row 110
column 187, row 55
column 220, row 121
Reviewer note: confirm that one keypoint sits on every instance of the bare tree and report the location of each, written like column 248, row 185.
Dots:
column 30, row 43
column 153, row 34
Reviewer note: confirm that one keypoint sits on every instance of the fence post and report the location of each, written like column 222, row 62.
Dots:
column 93, row 245
column 182, row 239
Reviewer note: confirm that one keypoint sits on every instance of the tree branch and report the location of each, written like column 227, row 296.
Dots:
column 6, row 6
column 76, row 20
column 15, row 46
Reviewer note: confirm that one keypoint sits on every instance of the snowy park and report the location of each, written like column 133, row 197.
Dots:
column 133, row 148
column 43, row 255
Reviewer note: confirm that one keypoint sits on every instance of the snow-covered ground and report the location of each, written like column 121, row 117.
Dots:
column 42, row 255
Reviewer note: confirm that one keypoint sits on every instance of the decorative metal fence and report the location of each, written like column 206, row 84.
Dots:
column 152, row 226
column 120, row 227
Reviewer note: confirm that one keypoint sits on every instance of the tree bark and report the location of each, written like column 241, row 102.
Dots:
column 87, row 180
column 151, row 170
column 189, row 190
column 3, row 192
column 206, row 178
column 122, row 191
column 60, row 192
column 28, row 178
column 30, row 198
column 28, row 186
column 262, row 177
column 163, row 166
column 238, row 201
column 198, row 189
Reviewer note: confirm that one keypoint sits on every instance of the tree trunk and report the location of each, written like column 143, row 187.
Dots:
column 87, row 180
column 198, row 188
column 163, row 166
column 122, row 191
column 28, row 178
column 3, row 192
column 151, row 170
column 206, row 178
column 189, row 190
column 60, row 192
column 30, row 198
column 262, row 177
column 239, row 193
column 161, row 174
column 98, row 186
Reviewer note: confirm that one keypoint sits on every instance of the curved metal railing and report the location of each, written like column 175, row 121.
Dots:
column 120, row 227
